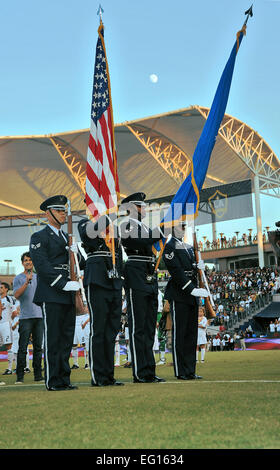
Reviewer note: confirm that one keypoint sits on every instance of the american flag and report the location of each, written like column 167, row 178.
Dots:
column 102, row 185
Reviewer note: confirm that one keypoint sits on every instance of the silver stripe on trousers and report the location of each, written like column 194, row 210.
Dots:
column 91, row 333
column 174, row 341
column 132, row 335
column 47, row 371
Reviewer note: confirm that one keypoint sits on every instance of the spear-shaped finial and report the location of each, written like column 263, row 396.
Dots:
column 99, row 12
column 248, row 12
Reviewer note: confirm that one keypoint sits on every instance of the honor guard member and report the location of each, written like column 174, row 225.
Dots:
column 103, row 284
column 141, row 287
column 55, row 293
column 183, row 295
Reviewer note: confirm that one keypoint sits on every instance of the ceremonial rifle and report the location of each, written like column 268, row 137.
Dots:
column 80, row 296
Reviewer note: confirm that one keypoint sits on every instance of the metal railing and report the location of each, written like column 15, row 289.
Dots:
column 218, row 245
column 261, row 301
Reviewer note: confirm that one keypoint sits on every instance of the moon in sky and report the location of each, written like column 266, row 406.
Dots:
column 153, row 78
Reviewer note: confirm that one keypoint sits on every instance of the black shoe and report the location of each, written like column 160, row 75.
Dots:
column 193, row 377
column 155, row 379
column 182, row 377
column 75, row 366
column 70, row 387
column 39, row 379
column 7, row 372
column 101, row 384
column 140, row 381
column 55, row 389
column 115, row 382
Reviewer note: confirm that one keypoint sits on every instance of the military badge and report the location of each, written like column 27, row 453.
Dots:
column 35, row 246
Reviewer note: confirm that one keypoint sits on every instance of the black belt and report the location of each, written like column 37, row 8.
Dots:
column 62, row 266
column 101, row 253
column 189, row 273
column 147, row 259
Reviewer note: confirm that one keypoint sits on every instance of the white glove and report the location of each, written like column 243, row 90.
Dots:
column 71, row 286
column 201, row 265
column 74, row 248
column 200, row 292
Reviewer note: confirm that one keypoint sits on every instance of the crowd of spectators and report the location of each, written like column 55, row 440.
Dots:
column 234, row 241
column 236, row 292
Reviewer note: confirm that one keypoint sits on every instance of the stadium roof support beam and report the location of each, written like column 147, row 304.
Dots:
column 13, row 206
column 252, row 149
column 166, row 153
column 75, row 164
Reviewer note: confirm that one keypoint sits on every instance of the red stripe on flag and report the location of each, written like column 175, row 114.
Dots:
column 90, row 204
column 105, row 130
column 114, row 156
column 91, row 175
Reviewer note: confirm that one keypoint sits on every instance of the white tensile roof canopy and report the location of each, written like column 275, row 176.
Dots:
column 153, row 153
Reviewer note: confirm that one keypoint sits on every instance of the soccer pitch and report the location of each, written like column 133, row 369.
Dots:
column 235, row 406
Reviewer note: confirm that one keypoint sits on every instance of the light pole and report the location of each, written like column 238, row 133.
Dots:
column 8, row 261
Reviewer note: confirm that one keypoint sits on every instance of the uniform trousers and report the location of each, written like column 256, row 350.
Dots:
column 105, row 307
column 184, row 337
column 142, row 316
column 27, row 327
column 59, row 328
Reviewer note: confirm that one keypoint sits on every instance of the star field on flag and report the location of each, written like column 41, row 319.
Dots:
column 102, row 186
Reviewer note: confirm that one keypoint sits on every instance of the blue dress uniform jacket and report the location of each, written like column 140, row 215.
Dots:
column 142, row 295
column 104, row 296
column 50, row 258
column 180, row 262
column 99, row 259
column 138, row 240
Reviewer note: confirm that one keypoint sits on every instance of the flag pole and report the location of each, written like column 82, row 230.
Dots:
column 248, row 12
column 111, row 227
column 99, row 12
column 191, row 187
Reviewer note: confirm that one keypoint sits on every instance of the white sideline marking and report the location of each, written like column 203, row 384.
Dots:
column 179, row 382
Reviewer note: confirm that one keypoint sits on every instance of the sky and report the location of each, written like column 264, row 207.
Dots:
column 47, row 58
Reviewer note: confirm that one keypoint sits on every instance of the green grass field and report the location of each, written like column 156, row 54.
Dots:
column 235, row 406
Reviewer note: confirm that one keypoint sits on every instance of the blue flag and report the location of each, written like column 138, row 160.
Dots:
column 186, row 201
